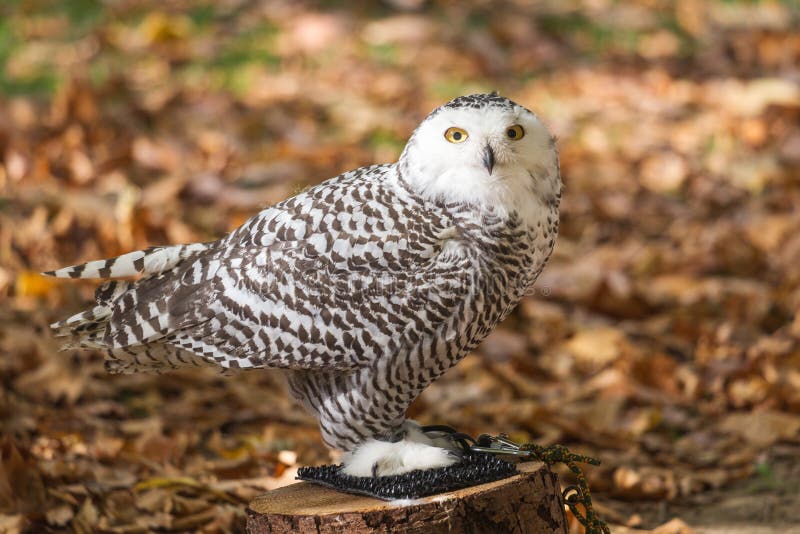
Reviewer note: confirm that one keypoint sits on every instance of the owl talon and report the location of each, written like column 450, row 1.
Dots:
column 446, row 432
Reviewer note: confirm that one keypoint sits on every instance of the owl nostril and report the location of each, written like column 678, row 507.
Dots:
column 488, row 158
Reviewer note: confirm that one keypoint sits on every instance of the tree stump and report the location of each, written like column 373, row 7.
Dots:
column 523, row 504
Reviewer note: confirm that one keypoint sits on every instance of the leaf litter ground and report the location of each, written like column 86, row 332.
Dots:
column 662, row 338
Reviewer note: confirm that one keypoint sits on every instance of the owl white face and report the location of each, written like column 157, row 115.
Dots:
column 486, row 150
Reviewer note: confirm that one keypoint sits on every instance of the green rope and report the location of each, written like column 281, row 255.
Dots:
column 573, row 495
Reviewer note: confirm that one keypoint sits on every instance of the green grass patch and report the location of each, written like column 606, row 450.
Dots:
column 449, row 89
column 383, row 54
column 587, row 35
column 386, row 139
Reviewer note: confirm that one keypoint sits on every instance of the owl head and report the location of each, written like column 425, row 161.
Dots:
column 485, row 150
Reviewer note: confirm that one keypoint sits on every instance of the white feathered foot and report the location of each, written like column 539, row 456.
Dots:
column 415, row 450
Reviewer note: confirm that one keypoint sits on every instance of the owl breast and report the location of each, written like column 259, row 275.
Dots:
column 486, row 264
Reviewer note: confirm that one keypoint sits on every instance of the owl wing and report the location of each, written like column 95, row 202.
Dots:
column 286, row 307
column 330, row 279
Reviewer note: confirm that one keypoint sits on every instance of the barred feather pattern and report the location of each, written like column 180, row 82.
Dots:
column 481, row 271
column 151, row 261
column 361, row 290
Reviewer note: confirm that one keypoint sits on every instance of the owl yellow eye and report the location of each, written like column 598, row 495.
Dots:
column 456, row 135
column 515, row 132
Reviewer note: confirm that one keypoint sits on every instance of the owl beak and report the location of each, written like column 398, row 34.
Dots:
column 488, row 158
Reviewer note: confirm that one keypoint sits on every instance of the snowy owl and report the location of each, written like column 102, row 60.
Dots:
column 362, row 290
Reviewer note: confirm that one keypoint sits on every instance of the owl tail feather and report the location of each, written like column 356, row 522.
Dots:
column 91, row 322
column 148, row 350
column 149, row 261
column 154, row 358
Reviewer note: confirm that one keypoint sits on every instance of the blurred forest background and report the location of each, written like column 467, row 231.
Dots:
column 664, row 335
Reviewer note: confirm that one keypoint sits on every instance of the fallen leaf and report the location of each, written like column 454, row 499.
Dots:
column 596, row 347
column 674, row 526
column 761, row 429
column 60, row 515
column 30, row 284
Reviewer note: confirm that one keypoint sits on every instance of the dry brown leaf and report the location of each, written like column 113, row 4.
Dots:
column 645, row 483
column 30, row 284
column 12, row 524
column 596, row 347
column 55, row 380
column 86, row 519
column 501, row 345
column 761, row 429
column 674, row 526
column 60, row 515
column 22, row 487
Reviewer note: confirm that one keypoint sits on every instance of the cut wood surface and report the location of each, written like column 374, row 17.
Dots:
column 523, row 504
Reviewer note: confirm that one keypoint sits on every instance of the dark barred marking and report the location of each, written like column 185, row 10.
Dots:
column 76, row 271
column 480, row 101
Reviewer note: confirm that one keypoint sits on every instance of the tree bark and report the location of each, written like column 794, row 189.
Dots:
column 523, row 504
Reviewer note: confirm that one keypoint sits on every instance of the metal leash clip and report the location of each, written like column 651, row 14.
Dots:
column 500, row 445
column 573, row 495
